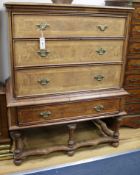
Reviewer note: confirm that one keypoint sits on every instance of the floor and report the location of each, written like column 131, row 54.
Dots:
column 129, row 141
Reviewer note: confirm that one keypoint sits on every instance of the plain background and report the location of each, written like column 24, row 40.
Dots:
column 4, row 50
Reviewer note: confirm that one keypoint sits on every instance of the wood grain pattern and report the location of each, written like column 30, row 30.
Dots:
column 64, row 80
column 134, row 48
column 134, row 93
column 32, row 115
column 133, row 64
column 136, row 31
column 63, row 52
column 25, row 26
column 133, row 107
column 132, row 80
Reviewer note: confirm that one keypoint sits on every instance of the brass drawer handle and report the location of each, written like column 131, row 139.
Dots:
column 43, row 53
column 135, row 65
column 136, row 49
column 43, row 81
column 99, row 108
column 134, row 80
column 101, row 51
column 102, row 28
column 99, row 77
column 45, row 114
column 42, row 26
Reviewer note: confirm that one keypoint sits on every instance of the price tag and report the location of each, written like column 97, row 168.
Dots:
column 42, row 43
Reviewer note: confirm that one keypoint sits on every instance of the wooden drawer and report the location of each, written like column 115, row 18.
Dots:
column 133, row 64
column 135, row 31
column 27, row 53
column 132, row 81
column 134, row 48
column 132, row 98
column 134, row 93
column 25, row 26
column 66, row 79
column 133, row 107
column 67, row 111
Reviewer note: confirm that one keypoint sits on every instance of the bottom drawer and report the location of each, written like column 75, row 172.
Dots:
column 133, row 107
column 133, row 64
column 132, row 81
column 66, row 111
column 134, row 95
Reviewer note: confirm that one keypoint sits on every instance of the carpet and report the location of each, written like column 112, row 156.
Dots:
column 122, row 164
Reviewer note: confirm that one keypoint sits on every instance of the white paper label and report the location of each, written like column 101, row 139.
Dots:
column 42, row 43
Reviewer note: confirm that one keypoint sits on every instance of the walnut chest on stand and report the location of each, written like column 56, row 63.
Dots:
column 67, row 67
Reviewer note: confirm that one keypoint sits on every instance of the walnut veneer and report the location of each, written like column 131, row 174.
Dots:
column 78, row 76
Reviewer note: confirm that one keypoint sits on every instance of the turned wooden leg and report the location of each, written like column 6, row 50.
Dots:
column 18, row 147
column 116, row 127
column 71, row 141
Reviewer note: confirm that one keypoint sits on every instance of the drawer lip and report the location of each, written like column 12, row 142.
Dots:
column 104, row 51
column 68, row 65
column 72, row 119
column 68, row 111
column 25, row 101
column 12, row 128
column 58, row 87
column 120, row 33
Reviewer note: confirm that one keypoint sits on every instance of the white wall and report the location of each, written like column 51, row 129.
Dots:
column 4, row 51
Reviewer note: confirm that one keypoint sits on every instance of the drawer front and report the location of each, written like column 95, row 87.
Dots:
column 25, row 26
column 133, row 107
column 134, row 48
column 52, row 113
column 132, row 81
column 66, row 79
column 132, row 98
column 27, row 53
column 136, row 31
column 133, row 64
column 134, row 93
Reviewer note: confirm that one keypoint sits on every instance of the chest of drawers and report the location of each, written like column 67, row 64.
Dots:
column 77, row 76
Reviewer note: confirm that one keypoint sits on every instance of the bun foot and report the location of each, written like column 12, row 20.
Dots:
column 70, row 153
column 17, row 162
column 116, row 144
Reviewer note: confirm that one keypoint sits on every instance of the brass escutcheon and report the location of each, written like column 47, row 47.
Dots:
column 42, row 26
column 43, row 53
column 101, row 51
column 99, row 108
column 102, row 28
column 45, row 114
column 99, row 77
column 43, row 81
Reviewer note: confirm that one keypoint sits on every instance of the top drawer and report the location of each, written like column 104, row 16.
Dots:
column 26, row 26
